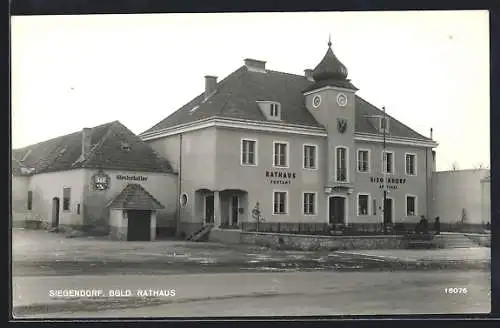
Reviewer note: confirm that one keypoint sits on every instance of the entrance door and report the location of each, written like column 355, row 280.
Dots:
column 55, row 212
column 139, row 225
column 388, row 211
column 234, row 210
column 336, row 210
column 209, row 209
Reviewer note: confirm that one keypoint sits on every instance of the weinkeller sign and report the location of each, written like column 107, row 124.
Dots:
column 392, row 183
column 131, row 177
column 280, row 177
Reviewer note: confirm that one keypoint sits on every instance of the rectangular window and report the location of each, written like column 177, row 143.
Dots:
column 388, row 162
column 309, row 157
column 411, row 203
column 341, row 173
column 363, row 161
column 374, row 207
column 280, row 154
column 66, row 198
column 30, row 200
column 411, row 161
column 309, row 203
column 279, row 202
column 363, row 203
column 78, row 209
column 248, row 152
column 274, row 110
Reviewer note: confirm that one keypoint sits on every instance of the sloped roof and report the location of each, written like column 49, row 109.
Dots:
column 135, row 197
column 237, row 96
column 64, row 152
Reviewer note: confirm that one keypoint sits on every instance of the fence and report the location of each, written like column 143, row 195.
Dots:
column 352, row 228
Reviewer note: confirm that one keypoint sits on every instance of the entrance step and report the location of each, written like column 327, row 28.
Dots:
column 201, row 233
column 456, row 241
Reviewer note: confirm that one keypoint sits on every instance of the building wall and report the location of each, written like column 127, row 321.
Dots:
column 19, row 204
column 118, row 224
column 211, row 162
column 457, row 190
column 413, row 185
column 162, row 186
column 168, row 148
column 46, row 186
column 327, row 114
column 197, row 171
column 486, row 201
column 230, row 174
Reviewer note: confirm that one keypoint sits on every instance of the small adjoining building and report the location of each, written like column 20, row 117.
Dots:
column 103, row 179
column 462, row 199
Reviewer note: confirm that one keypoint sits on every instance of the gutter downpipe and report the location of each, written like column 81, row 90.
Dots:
column 179, row 188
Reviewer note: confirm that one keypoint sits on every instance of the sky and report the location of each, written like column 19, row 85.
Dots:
column 429, row 69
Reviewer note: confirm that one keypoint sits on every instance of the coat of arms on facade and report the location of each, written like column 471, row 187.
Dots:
column 100, row 181
column 341, row 124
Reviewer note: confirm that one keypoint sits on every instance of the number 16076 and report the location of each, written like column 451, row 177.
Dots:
column 455, row 290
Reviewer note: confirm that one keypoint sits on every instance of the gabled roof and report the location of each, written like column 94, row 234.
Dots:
column 237, row 96
column 64, row 153
column 135, row 197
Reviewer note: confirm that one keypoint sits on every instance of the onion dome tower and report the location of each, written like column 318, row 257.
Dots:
column 330, row 72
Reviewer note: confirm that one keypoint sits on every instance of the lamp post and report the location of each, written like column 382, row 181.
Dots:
column 385, row 162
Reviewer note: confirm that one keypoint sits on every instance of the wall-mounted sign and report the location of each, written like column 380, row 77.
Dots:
column 131, row 177
column 280, row 177
column 100, row 181
column 392, row 183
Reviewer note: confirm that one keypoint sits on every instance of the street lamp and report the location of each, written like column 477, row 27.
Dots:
column 384, row 163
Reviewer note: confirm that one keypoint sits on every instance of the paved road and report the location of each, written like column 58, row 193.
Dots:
column 250, row 294
column 43, row 253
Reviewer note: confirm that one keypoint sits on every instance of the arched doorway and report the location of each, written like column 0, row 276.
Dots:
column 55, row 212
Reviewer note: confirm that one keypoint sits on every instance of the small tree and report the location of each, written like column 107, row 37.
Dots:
column 454, row 166
column 257, row 214
column 463, row 216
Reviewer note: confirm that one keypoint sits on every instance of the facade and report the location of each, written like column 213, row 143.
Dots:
column 461, row 196
column 77, row 181
column 486, row 199
column 304, row 149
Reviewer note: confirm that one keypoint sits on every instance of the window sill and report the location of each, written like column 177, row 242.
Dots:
column 243, row 164
column 281, row 167
column 280, row 213
column 310, row 168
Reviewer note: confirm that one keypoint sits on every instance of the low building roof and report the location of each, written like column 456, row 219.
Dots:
column 106, row 152
column 135, row 197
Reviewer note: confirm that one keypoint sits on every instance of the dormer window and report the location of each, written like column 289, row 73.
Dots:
column 274, row 110
column 125, row 146
column 384, row 124
column 270, row 109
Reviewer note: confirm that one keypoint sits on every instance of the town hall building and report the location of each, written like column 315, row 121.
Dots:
column 300, row 148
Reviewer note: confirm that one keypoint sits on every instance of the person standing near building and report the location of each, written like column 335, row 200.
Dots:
column 425, row 225
column 437, row 225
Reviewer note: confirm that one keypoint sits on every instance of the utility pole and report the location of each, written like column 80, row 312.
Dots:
column 385, row 162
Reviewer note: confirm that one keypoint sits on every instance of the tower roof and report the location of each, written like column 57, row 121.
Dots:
column 330, row 67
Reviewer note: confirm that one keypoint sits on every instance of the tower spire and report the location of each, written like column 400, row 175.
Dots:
column 329, row 40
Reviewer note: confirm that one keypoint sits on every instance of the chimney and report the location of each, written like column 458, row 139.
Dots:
column 255, row 65
column 431, row 133
column 86, row 142
column 210, row 85
column 308, row 73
